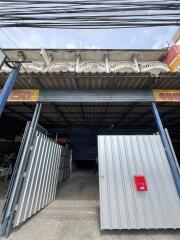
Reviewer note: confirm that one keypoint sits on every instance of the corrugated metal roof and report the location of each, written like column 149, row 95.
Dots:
column 82, row 81
column 121, row 205
column 95, row 81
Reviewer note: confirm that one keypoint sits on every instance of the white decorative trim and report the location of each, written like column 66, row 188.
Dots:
column 34, row 67
column 62, row 67
column 154, row 67
column 93, row 66
column 123, row 66
column 149, row 66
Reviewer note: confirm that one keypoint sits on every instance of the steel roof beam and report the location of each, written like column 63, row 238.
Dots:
column 61, row 114
column 41, row 115
column 131, row 108
column 172, row 111
column 88, row 96
column 17, row 113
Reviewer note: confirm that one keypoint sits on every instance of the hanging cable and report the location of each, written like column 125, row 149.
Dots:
column 86, row 14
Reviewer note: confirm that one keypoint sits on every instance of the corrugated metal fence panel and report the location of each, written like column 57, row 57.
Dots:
column 121, row 205
column 65, row 165
column 40, row 182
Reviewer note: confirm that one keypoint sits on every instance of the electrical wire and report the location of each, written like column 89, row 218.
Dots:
column 85, row 14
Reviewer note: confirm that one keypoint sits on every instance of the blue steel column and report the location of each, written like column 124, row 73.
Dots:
column 167, row 148
column 8, row 87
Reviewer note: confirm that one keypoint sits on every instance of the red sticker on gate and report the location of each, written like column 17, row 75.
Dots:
column 141, row 185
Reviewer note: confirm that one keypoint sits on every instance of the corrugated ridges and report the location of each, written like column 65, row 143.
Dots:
column 41, row 178
column 122, row 206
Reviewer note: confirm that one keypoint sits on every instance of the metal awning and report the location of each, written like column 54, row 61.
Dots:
column 94, row 81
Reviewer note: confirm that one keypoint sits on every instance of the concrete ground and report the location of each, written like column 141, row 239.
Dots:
column 74, row 215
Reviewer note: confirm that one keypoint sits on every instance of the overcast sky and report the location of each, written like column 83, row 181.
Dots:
column 158, row 37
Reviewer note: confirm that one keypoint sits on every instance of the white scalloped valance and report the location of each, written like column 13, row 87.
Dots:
column 62, row 67
column 94, row 66
column 123, row 66
column 149, row 66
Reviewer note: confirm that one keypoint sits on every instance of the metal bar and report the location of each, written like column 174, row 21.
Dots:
column 96, row 96
column 19, row 114
column 8, row 87
column 61, row 114
column 126, row 113
column 44, row 117
column 167, row 148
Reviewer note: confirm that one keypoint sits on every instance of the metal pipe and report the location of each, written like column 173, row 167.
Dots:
column 167, row 147
column 8, row 87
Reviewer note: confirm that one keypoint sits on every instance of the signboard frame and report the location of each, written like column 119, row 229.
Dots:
column 22, row 95
column 166, row 95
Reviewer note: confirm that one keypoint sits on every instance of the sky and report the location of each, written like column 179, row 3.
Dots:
column 151, row 38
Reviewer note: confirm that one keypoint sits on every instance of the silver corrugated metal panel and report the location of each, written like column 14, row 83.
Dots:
column 65, row 165
column 96, row 96
column 39, row 186
column 121, row 205
column 94, row 81
column 170, row 80
column 82, row 81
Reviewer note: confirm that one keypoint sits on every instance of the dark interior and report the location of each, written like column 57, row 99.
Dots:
column 78, row 124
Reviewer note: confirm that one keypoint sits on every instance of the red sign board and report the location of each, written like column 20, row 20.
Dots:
column 140, row 182
column 23, row 95
column 172, row 52
column 167, row 95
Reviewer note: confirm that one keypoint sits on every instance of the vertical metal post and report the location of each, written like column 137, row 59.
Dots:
column 8, row 87
column 167, row 148
column 15, row 193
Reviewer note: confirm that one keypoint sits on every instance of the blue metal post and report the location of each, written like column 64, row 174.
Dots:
column 8, row 87
column 167, row 148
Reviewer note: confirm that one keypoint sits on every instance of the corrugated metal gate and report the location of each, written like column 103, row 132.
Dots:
column 65, row 165
column 121, row 205
column 46, row 165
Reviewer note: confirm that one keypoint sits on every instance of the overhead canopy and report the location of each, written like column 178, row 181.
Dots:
column 102, row 116
column 93, row 76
